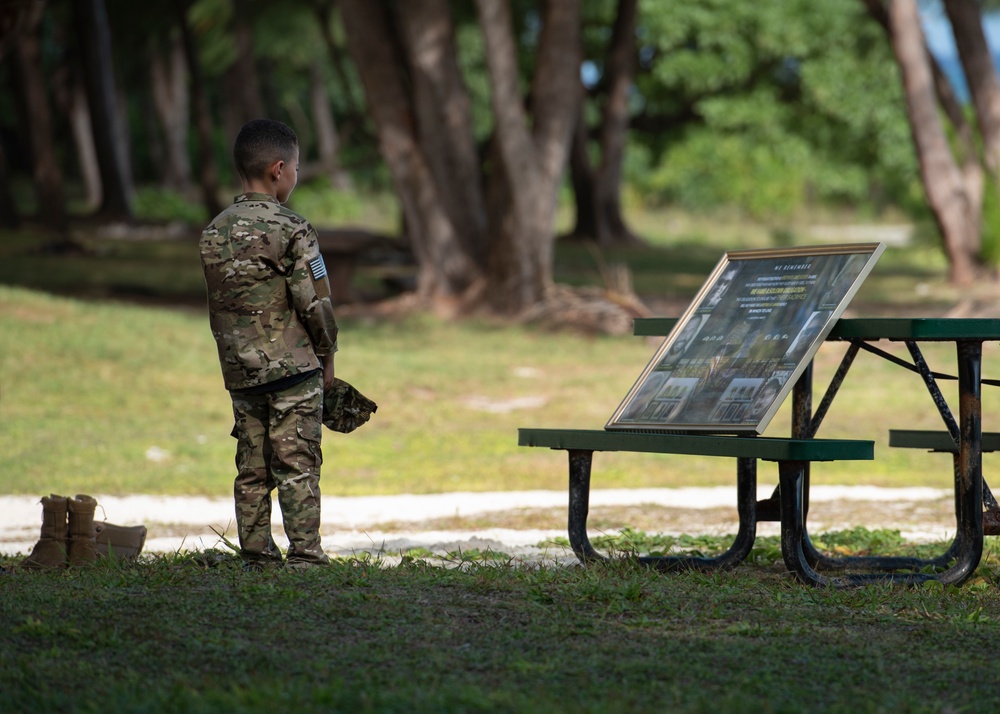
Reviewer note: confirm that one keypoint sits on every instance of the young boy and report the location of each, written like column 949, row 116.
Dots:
column 272, row 319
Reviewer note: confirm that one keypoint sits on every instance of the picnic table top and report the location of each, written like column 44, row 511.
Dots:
column 874, row 328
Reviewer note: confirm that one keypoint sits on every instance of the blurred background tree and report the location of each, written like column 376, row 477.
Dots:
column 481, row 118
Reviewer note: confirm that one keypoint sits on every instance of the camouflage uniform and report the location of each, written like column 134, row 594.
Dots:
column 272, row 319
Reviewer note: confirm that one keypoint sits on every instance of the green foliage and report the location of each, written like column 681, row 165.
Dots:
column 769, row 106
column 706, row 171
column 211, row 22
column 471, row 52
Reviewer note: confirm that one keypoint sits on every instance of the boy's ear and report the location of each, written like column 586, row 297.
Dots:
column 276, row 168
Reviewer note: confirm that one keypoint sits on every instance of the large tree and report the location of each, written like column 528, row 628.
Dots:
column 446, row 270
column 12, row 19
column 482, row 230
column 95, row 43
column 531, row 155
column 208, row 172
column 952, row 177
column 37, row 119
column 172, row 101
column 980, row 73
column 597, row 185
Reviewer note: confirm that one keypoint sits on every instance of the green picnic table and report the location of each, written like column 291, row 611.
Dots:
column 962, row 436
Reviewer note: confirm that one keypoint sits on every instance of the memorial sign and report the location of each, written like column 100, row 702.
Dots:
column 751, row 330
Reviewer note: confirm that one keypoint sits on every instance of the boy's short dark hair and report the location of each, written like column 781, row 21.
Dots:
column 259, row 144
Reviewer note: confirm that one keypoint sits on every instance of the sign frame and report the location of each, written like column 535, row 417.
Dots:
column 748, row 335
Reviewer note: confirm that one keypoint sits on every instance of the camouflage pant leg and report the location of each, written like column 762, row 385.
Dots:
column 291, row 447
column 296, row 433
column 253, row 485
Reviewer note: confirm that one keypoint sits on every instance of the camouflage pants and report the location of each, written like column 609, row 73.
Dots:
column 278, row 447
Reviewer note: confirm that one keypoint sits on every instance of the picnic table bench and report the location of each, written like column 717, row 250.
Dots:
column 963, row 437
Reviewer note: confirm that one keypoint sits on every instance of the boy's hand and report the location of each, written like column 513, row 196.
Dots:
column 327, row 371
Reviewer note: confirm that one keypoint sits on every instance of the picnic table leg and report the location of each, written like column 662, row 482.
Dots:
column 791, row 490
column 580, row 465
column 966, row 551
column 959, row 544
column 746, row 502
column 579, row 505
column 970, row 458
column 804, row 426
column 794, row 536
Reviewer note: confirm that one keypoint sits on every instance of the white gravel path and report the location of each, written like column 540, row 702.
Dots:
column 355, row 524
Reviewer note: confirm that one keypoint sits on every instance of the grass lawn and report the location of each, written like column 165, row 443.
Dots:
column 110, row 398
column 102, row 392
column 167, row 635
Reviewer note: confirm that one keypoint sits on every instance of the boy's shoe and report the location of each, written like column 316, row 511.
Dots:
column 262, row 565
column 298, row 566
column 213, row 558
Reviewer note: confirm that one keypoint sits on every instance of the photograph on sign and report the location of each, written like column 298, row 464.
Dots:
column 751, row 330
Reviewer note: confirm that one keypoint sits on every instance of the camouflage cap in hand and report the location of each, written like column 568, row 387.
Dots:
column 345, row 408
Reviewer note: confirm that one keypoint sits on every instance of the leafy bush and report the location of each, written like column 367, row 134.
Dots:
column 708, row 170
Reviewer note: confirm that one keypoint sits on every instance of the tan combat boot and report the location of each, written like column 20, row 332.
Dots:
column 82, row 537
column 50, row 550
column 124, row 542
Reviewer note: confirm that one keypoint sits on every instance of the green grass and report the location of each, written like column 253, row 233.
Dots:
column 92, row 390
column 166, row 635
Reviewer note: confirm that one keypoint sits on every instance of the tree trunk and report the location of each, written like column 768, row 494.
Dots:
column 530, row 163
column 31, row 84
column 83, row 138
column 445, row 269
column 981, row 75
column 301, row 124
column 324, row 15
column 444, row 119
column 953, row 196
column 598, row 189
column 70, row 95
column 95, row 40
column 241, row 81
column 589, row 225
column 207, row 172
column 13, row 17
column 942, row 88
column 9, row 217
column 327, row 141
column 168, row 81
column 614, row 124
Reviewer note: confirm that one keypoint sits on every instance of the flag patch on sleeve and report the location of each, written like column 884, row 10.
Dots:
column 318, row 268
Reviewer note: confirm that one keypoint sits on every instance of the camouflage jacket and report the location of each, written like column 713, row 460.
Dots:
column 268, row 293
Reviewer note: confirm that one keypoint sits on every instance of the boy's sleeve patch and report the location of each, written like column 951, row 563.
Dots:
column 318, row 268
